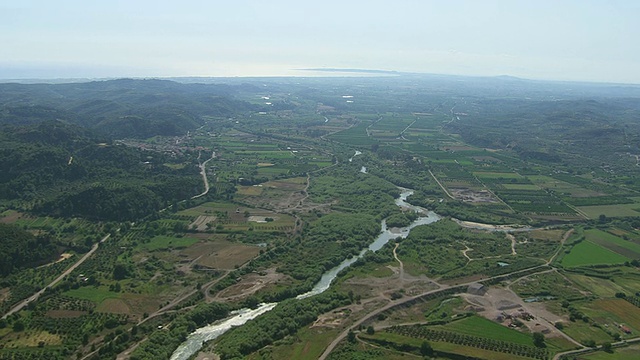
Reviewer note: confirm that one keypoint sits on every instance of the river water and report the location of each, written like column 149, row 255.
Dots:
column 196, row 340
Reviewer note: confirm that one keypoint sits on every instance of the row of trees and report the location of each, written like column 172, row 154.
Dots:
column 423, row 332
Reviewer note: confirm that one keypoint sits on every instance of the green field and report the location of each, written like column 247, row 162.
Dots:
column 497, row 175
column 443, row 346
column 613, row 243
column 309, row 344
column 582, row 332
column 620, row 210
column 521, row 187
column 625, row 353
column 588, row 253
column 91, row 293
column 479, row 326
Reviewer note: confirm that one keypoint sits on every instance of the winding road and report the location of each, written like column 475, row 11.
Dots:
column 35, row 296
column 203, row 172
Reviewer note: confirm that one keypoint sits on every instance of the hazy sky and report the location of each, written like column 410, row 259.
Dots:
column 540, row 39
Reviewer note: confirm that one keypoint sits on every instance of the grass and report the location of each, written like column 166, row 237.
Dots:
column 599, row 287
column 443, row 346
column 613, row 243
column 309, row 344
column 521, row 187
column 95, row 294
column 620, row 210
column 249, row 190
column 497, row 175
column 479, row 326
column 625, row 353
column 582, row 332
column 167, row 242
column 32, row 338
column 615, row 311
column 588, row 253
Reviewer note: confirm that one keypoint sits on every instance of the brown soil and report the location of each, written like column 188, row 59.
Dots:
column 498, row 302
column 4, row 294
column 220, row 254
column 250, row 284
column 201, row 222
column 469, row 195
column 114, row 306
column 11, row 218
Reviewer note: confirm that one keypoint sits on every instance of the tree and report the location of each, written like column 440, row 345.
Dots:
column 602, row 218
column 18, row 326
column 426, row 349
column 370, row 330
column 351, row 336
column 120, row 272
column 538, row 340
column 607, row 347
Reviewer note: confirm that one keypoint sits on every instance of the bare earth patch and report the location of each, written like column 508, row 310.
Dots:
column 250, row 284
column 220, row 254
column 4, row 294
column 468, row 195
column 114, row 306
column 503, row 305
column 12, row 217
column 201, row 222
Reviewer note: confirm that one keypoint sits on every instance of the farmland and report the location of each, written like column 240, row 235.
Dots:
column 588, row 253
column 543, row 227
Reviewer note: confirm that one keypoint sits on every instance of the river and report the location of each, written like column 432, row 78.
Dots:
column 196, row 340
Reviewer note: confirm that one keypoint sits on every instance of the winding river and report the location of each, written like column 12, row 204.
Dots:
column 196, row 340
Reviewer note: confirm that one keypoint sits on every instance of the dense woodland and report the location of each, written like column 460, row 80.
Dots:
column 19, row 248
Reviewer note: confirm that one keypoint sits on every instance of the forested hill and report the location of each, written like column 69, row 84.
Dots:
column 19, row 248
column 57, row 168
column 121, row 108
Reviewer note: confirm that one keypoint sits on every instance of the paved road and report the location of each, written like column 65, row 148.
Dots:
column 203, row 172
column 35, row 296
column 395, row 303
column 599, row 347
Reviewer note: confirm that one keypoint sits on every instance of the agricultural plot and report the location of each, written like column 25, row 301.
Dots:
column 611, row 242
column 390, row 127
column 583, row 332
column 538, row 243
column 626, row 353
column 219, row 254
column 401, row 341
column 597, row 286
column 278, row 194
column 229, row 217
column 587, row 253
column 31, row 339
column 512, row 344
column 611, row 313
column 481, row 327
column 356, row 135
column 541, row 286
column 619, row 210
column 167, row 242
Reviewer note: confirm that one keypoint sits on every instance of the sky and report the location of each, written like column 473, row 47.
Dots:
column 585, row 40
